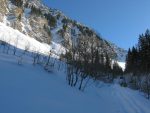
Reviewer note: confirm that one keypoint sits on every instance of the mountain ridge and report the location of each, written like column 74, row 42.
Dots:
column 45, row 24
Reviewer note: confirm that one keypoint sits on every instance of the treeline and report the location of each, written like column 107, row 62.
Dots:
column 45, row 61
column 34, row 10
column 138, row 63
column 86, row 61
column 18, row 3
column 52, row 21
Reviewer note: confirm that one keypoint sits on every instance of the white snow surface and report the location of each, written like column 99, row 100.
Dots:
column 16, row 38
column 29, row 89
column 21, row 41
column 122, row 65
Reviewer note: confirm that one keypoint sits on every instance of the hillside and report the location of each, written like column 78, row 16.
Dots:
column 30, row 89
column 22, row 41
column 50, row 63
column 27, row 87
column 48, row 25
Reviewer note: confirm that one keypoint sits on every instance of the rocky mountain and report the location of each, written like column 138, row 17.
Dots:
column 47, row 25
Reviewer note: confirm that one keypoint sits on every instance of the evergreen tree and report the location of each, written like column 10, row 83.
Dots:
column 117, row 70
column 107, row 66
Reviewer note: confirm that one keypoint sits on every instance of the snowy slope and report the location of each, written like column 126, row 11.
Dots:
column 29, row 89
column 122, row 65
column 15, row 38
column 21, row 41
column 65, row 32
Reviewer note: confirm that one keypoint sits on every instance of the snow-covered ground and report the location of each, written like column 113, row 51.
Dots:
column 30, row 89
column 122, row 65
column 16, row 38
column 21, row 41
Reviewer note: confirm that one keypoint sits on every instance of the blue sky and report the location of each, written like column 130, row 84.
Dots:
column 119, row 21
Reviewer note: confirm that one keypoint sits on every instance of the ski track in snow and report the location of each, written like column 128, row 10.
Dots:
column 131, row 101
column 123, row 100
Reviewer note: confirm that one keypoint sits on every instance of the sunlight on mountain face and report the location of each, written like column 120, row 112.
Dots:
column 51, row 63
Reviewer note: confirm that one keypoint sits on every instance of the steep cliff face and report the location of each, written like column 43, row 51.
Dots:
column 3, row 9
column 20, row 16
column 48, row 25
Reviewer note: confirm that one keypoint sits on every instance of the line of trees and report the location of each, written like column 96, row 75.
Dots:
column 85, row 61
column 138, row 63
column 18, row 3
column 45, row 61
column 52, row 21
column 36, row 11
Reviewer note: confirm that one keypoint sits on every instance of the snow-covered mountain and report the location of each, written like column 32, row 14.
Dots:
column 33, row 76
column 47, row 25
column 22, row 41
column 27, row 88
